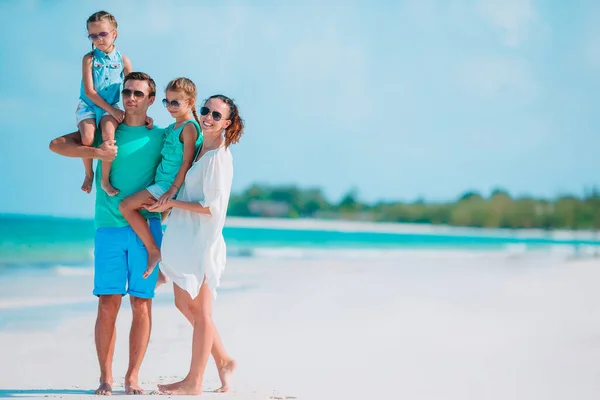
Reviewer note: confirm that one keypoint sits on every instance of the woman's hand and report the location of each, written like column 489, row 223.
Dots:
column 149, row 123
column 155, row 207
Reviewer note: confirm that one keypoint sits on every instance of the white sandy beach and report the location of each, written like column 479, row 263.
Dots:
column 422, row 326
column 410, row 228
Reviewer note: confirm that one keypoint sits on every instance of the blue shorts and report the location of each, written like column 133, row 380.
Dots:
column 120, row 260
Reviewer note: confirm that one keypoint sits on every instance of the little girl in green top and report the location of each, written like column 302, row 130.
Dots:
column 182, row 140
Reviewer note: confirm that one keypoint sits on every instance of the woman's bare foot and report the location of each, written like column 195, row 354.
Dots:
column 182, row 387
column 162, row 279
column 105, row 389
column 154, row 257
column 225, row 373
column 108, row 188
column 167, row 386
column 87, row 183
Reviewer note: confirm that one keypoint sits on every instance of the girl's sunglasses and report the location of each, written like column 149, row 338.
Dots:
column 95, row 36
column 137, row 93
column 215, row 114
column 174, row 104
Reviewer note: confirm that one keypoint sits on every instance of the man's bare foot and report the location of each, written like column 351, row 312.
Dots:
column 87, row 183
column 182, row 387
column 105, row 389
column 225, row 373
column 108, row 188
column 133, row 388
column 154, row 257
column 162, row 279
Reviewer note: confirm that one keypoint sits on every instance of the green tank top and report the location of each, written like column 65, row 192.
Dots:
column 172, row 152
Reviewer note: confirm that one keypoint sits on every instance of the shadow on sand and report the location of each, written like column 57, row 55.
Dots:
column 24, row 393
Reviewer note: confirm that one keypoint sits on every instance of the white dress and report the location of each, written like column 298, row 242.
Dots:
column 193, row 244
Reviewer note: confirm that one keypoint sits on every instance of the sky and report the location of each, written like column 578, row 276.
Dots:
column 400, row 100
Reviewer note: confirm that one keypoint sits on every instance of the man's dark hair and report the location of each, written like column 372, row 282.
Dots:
column 142, row 76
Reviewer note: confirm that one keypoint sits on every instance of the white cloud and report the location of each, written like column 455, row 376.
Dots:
column 491, row 77
column 513, row 17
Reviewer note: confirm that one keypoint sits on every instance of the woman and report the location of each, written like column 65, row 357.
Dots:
column 193, row 249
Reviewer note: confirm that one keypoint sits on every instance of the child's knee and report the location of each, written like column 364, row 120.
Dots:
column 108, row 125
column 87, row 136
column 124, row 205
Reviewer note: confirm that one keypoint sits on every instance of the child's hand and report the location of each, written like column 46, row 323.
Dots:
column 117, row 114
column 149, row 123
column 168, row 196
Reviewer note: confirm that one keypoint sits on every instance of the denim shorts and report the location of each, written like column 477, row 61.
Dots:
column 84, row 111
column 158, row 189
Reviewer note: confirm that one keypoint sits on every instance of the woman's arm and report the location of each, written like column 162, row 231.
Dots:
column 217, row 181
column 192, row 206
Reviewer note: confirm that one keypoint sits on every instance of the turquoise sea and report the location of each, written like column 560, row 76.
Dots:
column 45, row 242
column 46, row 262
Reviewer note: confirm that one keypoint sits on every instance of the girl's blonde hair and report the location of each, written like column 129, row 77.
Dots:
column 101, row 16
column 187, row 87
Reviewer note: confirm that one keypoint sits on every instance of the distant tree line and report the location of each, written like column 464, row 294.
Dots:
column 499, row 210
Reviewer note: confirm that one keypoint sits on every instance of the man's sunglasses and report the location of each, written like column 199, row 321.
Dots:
column 95, row 36
column 174, row 104
column 137, row 93
column 215, row 114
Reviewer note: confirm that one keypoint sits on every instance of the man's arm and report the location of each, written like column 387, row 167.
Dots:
column 70, row 145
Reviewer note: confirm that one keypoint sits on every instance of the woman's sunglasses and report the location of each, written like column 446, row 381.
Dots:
column 137, row 93
column 95, row 36
column 215, row 114
column 174, row 104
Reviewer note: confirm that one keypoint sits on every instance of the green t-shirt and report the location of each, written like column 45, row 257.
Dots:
column 132, row 170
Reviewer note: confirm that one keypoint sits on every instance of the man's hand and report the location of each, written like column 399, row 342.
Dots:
column 149, row 123
column 108, row 151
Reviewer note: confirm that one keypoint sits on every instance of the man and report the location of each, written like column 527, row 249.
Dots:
column 119, row 256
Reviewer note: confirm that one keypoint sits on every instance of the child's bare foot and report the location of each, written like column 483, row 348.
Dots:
column 225, row 372
column 87, row 183
column 108, row 188
column 162, row 279
column 154, row 257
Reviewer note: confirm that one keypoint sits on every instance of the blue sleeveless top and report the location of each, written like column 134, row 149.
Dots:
column 108, row 75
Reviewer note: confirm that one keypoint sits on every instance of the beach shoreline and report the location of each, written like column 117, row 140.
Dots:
column 449, row 327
